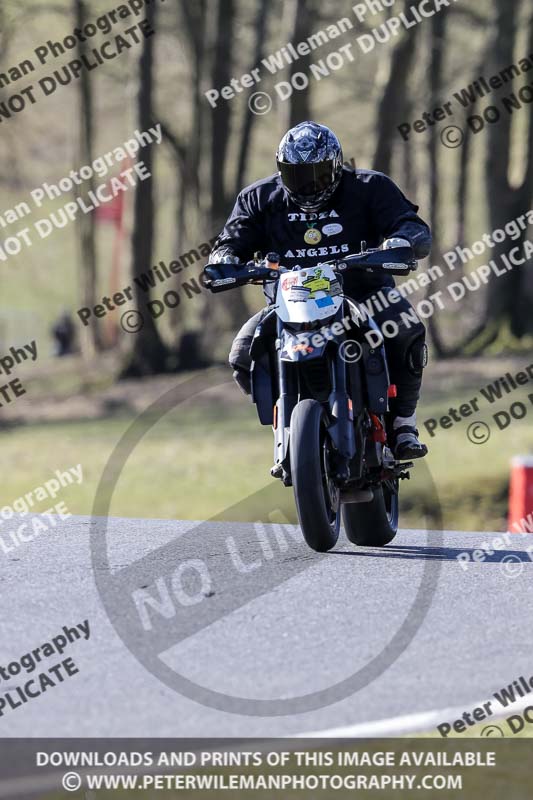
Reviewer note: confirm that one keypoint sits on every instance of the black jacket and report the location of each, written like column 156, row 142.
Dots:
column 367, row 206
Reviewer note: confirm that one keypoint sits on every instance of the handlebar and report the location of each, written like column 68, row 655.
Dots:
column 397, row 261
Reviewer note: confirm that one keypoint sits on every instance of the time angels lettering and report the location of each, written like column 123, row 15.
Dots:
column 314, row 252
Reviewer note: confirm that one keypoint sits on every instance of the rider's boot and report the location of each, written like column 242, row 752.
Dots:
column 404, row 441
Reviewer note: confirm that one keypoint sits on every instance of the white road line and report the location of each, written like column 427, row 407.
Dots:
column 423, row 722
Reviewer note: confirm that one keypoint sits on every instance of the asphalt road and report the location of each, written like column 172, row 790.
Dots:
column 248, row 610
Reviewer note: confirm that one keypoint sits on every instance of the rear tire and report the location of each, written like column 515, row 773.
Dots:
column 373, row 524
column 317, row 499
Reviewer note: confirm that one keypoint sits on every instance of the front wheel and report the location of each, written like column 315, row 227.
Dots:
column 316, row 496
column 373, row 524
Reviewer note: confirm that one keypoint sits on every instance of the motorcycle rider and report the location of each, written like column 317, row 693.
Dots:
column 313, row 209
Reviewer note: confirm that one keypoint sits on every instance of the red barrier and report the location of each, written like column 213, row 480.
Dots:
column 521, row 495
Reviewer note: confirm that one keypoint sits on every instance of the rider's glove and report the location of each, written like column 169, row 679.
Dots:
column 395, row 241
column 222, row 258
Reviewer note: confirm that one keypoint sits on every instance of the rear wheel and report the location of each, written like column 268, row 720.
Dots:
column 316, row 496
column 373, row 524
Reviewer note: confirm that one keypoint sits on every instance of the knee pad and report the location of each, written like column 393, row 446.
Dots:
column 243, row 380
column 416, row 355
column 239, row 357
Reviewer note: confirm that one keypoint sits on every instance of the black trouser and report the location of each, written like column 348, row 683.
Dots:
column 406, row 351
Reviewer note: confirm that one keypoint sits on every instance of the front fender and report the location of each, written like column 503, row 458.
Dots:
column 297, row 347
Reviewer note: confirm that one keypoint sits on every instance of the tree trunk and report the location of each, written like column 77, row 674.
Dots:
column 508, row 298
column 437, row 44
column 408, row 158
column 298, row 18
column 187, row 151
column 391, row 106
column 90, row 336
column 221, row 115
column 250, row 118
column 218, row 316
column 149, row 354
column 195, row 17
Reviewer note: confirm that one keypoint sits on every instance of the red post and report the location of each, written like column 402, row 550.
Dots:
column 113, row 212
column 521, row 495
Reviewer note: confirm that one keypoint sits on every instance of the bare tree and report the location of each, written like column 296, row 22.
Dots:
column 507, row 299
column 90, row 336
column 221, row 115
column 509, row 296
column 298, row 19
column 219, row 317
column 149, row 354
column 436, row 57
column 391, row 105
column 250, row 118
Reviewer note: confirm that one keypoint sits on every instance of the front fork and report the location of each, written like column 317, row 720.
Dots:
column 288, row 397
column 341, row 427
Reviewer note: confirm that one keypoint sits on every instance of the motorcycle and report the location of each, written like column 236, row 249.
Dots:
column 322, row 383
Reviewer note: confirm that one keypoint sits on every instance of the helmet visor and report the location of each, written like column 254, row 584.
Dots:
column 307, row 180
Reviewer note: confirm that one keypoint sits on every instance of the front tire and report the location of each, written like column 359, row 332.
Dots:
column 317, row 499
column 373, row 524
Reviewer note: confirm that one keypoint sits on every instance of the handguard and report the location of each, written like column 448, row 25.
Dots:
column 398, row 261
column 221, row 277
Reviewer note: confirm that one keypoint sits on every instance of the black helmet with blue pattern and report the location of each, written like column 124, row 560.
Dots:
column 309, row 160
